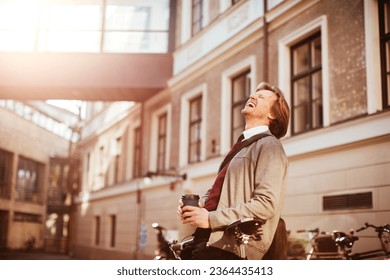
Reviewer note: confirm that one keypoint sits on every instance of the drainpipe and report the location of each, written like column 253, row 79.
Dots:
column 265, row 46
column 139, row 190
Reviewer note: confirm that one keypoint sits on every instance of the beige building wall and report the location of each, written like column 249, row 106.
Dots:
column 22, row 138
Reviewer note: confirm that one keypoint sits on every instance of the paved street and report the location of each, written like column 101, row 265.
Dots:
column 33, row 255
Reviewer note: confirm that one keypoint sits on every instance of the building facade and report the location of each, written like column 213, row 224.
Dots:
column 328, row 57
column 36, row 185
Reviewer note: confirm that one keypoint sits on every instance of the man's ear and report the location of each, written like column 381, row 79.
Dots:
column 271, row 116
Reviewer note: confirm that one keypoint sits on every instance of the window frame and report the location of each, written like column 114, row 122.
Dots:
column 372, row 54
column 44, row 33
column 118, row 172
column 246, row 74
column 137, row 165
column 384, row 39
column 284, row 54
column 247, row 64
column 162, row 135
column 113, row 223
column 307, row 73
column 185, row 120
column 5, row 172
column 97, row 222
column 25, row 191
column 196, row 23
column 154, row 132
column 197, row 125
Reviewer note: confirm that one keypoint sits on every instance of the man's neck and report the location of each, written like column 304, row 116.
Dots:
column 248, row 133
column 249, row 125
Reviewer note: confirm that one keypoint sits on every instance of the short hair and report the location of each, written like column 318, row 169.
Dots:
column 279, row 109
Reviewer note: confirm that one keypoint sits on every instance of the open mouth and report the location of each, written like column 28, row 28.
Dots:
column 250, row 104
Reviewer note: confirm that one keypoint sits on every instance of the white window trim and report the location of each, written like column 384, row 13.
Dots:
column 185, row 21
column 373, row 68
column 224, row 5
column 154, row 136
column 200, row 90
column 226, row 97
column 206, row 13
column 285, row 59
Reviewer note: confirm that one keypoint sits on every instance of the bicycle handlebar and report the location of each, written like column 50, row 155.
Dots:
column 179, row 246
column 385, row 228
column 316, row 230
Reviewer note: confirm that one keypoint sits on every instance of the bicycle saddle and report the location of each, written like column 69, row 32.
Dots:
column 244, row 229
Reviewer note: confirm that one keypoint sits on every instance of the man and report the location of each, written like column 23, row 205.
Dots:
column 251, row 184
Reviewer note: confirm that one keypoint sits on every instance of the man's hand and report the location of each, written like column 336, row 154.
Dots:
column 195, row 216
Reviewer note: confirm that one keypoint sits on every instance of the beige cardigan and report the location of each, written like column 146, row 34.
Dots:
column 254, row 186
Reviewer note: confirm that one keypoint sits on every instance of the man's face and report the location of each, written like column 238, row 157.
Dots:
column 259, row 106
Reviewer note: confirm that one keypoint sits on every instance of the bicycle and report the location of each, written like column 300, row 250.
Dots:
column 163, row 251
column 242, row 230
column 383, row 234
column 321, row 246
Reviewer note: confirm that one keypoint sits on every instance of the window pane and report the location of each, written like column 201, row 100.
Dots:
column 197, row 16
column 384, row 22
column 239, row 88
column 84, row 15
column 54, row 24
column 301, row 105
column 18, row 41
column 316, row 51
column 18, row 25
column 128, row 18
column 69, row 41
column 317, row 99
column 387, row 17
column 388, row 90
column 192, row 153
column 135, row 42
column 195, row 127
column 27, row 188
column 387, row 46
column 162, row 134
column 137, row 15
column 238, row 119
column 80, row 34
column 194, row 132
column 137, row 153
column 301, row 91
column 195, row 110
column 162, row 126
column 301, row 59
column 240, row 94
column 5, row 163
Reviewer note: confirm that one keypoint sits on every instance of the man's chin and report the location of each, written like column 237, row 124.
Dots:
column 246, row 110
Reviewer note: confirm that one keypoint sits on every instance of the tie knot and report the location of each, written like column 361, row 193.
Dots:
column 240, row 138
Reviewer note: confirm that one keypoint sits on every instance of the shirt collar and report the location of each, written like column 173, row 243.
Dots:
column 255, row 130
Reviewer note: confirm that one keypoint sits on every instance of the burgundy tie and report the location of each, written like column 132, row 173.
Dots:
column 213, row 199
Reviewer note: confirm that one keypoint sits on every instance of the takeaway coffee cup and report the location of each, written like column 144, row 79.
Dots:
column 190, row 199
